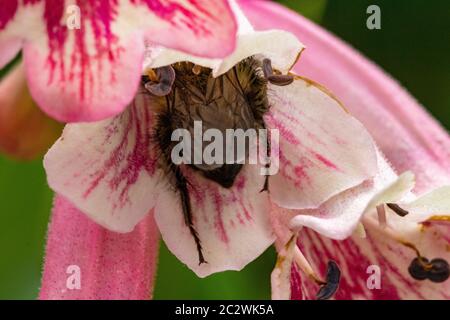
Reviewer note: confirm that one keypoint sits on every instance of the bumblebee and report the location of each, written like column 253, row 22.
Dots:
column 186, row 93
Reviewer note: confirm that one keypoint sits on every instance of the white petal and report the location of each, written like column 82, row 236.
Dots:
column 282, row 47
column 108, row 169
column 429, row 209
column 233, row 224
column 339, row 217
column 323, row 150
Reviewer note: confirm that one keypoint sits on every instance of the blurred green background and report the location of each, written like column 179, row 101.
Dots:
column 413, row 45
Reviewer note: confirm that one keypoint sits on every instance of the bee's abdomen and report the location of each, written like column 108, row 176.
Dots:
column 235, row 100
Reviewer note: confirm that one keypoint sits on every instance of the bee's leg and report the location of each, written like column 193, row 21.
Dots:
column 181, row 184
column 267, row 165
column 163, row 84
column 162, row 137
column 276, row 79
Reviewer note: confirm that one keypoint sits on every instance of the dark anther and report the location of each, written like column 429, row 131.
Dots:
column 166, row 76
column 436, row 270
column 397, row 209
column 418, row 268
column 332, row 282
column 276, row 79
column 440, row 270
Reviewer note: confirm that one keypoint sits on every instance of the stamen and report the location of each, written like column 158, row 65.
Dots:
column 162, row 86
column 276, row 79
column 328, row 287
column 438, row 270
column 303, row 264
column 417, row 268
column 397, row 209
column 267, row 68
column 333, row 278
column 381, row 211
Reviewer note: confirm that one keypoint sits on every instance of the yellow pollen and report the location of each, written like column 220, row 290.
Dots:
column 152, row 75
column 444, row 218
column 196, row 69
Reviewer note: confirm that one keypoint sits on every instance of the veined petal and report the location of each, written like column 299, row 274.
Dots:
column 84, row 58
column 409, row 137
column 233, row 224
column 281, row 47
column 323, row 150
column 338, row 217
column 108, row 169
column 85, row 261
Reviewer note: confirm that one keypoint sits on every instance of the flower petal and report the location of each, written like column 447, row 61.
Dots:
column 75, row 93
column 233, row 224
column 281, row 47
column 10, row 49
column 296, row 284
column 433, row 206
column 25, row 131
column 108, row 169
column 84, row 58
column 404, row 131
column 323, row 150
column 109, row 265
column 338, row 217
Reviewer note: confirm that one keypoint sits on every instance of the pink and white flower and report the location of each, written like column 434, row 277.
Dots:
column 90, row 70
column 110, row 171
column 332, row 179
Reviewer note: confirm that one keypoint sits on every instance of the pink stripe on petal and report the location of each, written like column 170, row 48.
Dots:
column 111, row 265
column 199, row 27
column 323, row 149
column 108, row 169
column 84, row 95
column 296, row 284
column 9, row 9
